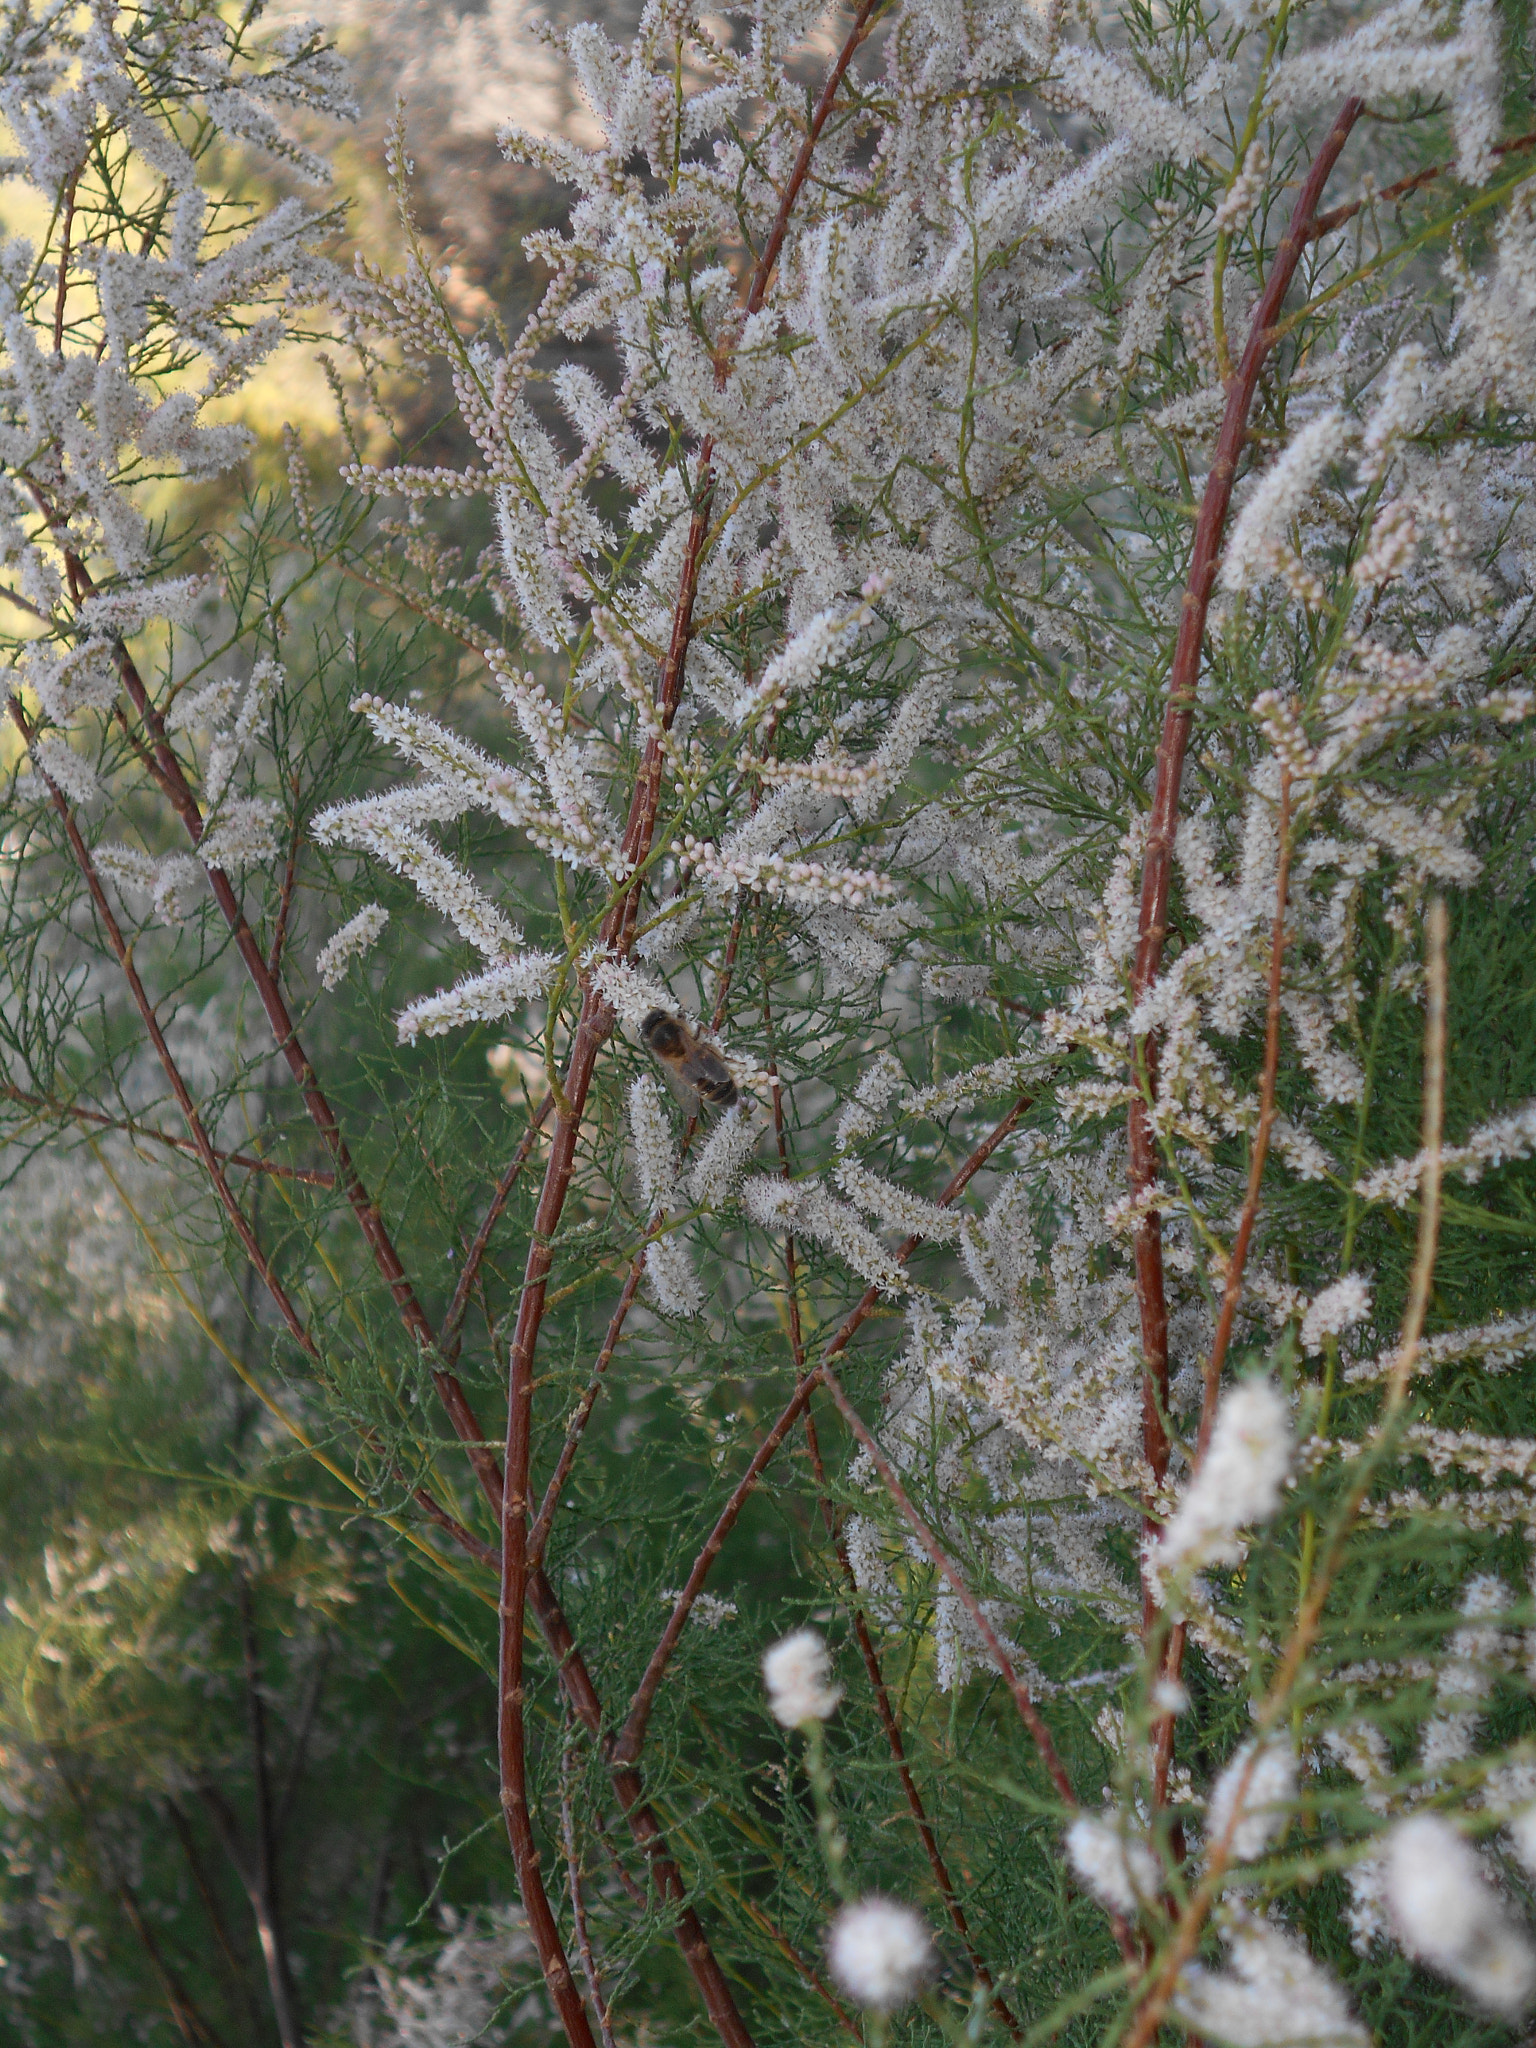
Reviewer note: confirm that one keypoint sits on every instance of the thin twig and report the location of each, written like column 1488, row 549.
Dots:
column 190, row 2023
column 129, row 1127
column 632, row 1736
column 867, row 1651
column 1436, row 936
column 1238, row 1258
column 629, row 1786
column 290, row 880
column 538, row 1535
column 450, row 1335
column 260, row 1875
column 1023, row 1701
column 1326, row 223
column 233, row 1964
column 200, row 1144
column 1029, row 1714
column 161, row 761
column 578, row 1908
column 63, row 290
column 888, row 1721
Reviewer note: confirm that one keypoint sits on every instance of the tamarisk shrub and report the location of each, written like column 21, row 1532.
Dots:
column 996, row 586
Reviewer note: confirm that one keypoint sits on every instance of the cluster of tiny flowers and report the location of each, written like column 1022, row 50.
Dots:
column 1244, row 192
column 628, row 992
column 1113, row 1862
column 669, row 1269
column 803, row 882
column 718, row 1170
column 707, row 1611
column 798, row 1675
column 1274, row 1994
column 805, row 1206
column 479, row 998
column 880, row 1953
column 1338, row 1308
column 1509, row 1136
column 1447, row 1913
column 358, row 936
column 1252, row 1799
column 1237, row 1485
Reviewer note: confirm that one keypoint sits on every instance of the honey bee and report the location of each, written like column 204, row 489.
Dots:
column 696, row 1065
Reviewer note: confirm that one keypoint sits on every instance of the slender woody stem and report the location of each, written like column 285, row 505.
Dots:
column 578, row 1907
column 1328, row 223
column 632, row 1735
column 130, row 1127
column 451, row 1335
column 1162, row 1734
column 1178, row 716
column 594, row 1026
column 1191, row 1922
column 1238, row 1259
column 1029, row 1714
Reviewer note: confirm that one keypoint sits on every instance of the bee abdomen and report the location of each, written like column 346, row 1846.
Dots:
column 718, row 1086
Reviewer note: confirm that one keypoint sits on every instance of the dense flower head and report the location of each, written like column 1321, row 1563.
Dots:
column 1448, row 1914
column 1238, row 1483
column 798, row 1675
column 880, row 1953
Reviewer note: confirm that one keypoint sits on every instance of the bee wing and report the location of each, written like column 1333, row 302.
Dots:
column 707, row 1072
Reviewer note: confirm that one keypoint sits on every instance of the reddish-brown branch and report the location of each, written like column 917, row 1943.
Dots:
column 258, row 1872
column 290, row 882
column 632, row 1735
column 593, row 1028
column 583, row 1696
column 201, row 1144
column 763, row 270
column 1173, row 1656
column 870, row 1657
column 578, row 1907
column 168, row 773
column 1238, row 1260
column 1326, row 223
column 514, row 1583
column 1157, row 862
column 189, row 2021
column 63, row 290
column 129, row 1127
column 375, row 1231
column 811, row 1978
column 643, row 1824
column 552, row 1621
column 1023, row 1701
column 450, row 1336
column 1029, row 1714
column 471, row 1544
column 538, row 1535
